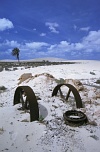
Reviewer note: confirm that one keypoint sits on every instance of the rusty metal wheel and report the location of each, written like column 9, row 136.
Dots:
column 72, row 90
column 31, row 101
column 75, row 118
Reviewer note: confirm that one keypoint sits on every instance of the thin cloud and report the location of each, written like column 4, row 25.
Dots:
column 43, row 34
column 93, row 38
column 26, row 29
column 89, row 44
column 52, row 27
column 36, row 45
column 85, row 29
column 5, row 24
column 34, row 29
column 10, row 43
column 75, row 27
column 25, row 46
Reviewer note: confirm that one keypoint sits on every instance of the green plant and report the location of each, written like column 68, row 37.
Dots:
column 60, row 81
column 3, row 88
column 1, row 130
column 98, row 81
column 41, row 118
column 15, row 52
column 92, row 73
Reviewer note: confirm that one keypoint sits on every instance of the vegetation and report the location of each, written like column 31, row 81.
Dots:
column 41, row 118
column 3, row 88
column 31, row 64
column 60, row 81
column 15, row 52
column 98, row 81
column 1, row 130
column 92, row 73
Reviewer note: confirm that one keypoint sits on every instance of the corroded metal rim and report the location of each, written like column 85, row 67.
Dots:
column 74, row 91
column 76, row 118
column 33, row 104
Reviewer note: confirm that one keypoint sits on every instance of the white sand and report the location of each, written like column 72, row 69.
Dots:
column 19, row 135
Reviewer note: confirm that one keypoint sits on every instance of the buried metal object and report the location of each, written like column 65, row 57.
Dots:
column 71, row 89
column 30, row 98
column 75, row 118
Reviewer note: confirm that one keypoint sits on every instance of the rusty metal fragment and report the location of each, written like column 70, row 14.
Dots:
column 71, row 89
column 31, row 98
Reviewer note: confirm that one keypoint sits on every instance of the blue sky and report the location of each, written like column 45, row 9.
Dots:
column 68, row 29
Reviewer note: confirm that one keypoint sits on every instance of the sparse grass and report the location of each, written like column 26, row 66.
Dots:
column 41, row 118
column 1, row 130
column 1, row 68
column 7, row 69
column 60, row 81
column 8, row 65
column 1, row 104
column 92, row 73
column 15, row 69
column 3, row 88
column 98, row 81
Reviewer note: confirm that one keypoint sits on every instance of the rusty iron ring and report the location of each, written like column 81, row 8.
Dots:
column 74, row 91
column 74, row 117
column 33, row 104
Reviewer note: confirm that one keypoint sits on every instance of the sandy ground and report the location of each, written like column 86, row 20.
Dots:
column 18, row 134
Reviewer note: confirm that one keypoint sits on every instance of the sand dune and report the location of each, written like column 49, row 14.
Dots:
column 18, row 134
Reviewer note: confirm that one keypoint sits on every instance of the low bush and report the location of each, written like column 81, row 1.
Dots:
column 98, row 81
column 60, row 81
column 3, row 88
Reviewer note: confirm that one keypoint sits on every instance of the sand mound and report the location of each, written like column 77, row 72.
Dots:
column 24, row 77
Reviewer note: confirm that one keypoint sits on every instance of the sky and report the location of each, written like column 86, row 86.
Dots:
column 68, row 29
